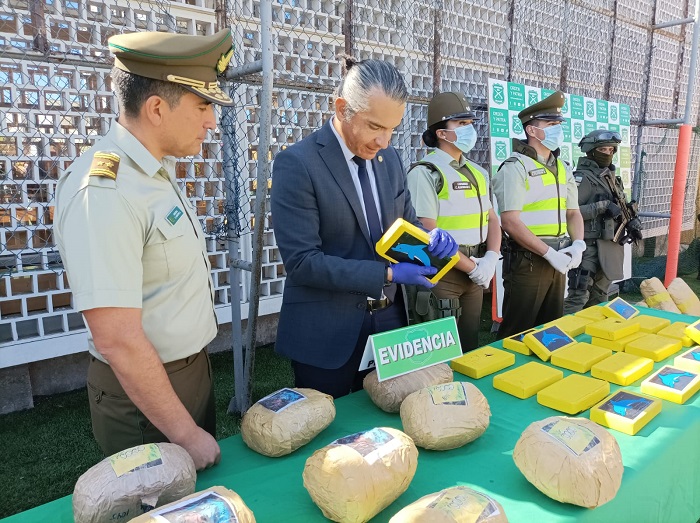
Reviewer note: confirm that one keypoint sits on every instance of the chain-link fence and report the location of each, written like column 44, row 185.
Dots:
column 56, row 98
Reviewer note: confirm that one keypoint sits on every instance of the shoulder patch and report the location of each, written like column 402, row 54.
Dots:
column 578, row 178
column 105, row 164
column 510, row 159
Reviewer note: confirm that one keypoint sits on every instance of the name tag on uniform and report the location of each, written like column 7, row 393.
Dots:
column 578, row 178
column 461, row 186
column 174, row 215
column 537, row 172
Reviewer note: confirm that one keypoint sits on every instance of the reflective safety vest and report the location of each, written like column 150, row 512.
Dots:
column 544, row 210
column 464, row 207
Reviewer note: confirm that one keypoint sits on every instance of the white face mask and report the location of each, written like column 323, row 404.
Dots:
column 553, row 137
column 465, row 138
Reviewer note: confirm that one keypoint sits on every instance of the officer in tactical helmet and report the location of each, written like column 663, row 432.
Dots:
column 603, row 258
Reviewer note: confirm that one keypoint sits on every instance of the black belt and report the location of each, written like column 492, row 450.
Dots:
column 375, row 305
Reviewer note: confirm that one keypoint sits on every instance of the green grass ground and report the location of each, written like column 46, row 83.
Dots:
column 48, row 447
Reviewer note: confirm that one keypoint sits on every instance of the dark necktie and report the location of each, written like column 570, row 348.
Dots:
column 375, row 228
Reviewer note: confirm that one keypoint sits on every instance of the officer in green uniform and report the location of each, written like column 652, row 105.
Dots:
column 538, row 205
column 451, row 192
column 603, row 258
column 134, row 250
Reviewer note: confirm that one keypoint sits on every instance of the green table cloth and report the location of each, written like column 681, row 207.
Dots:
column 661, row 481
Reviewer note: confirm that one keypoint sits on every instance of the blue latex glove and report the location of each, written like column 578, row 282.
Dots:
column 412, row 274
column 442, row 244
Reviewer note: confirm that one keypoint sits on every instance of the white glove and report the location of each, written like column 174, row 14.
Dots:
column 558, row 259
column 575, row 250
column 485, row 269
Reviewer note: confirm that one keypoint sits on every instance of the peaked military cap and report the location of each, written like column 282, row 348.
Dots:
column 548, row 109
column 449, row 106
column 191, row 61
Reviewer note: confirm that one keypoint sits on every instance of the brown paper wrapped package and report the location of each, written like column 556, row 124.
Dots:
column 102, row 496
column 452, row 505
column 657, row 296
column 588, row 479
column 684, row 297
column 205, row 513
column 353, row 482
column 276, row 434
column 435, row 422
column 388, row 394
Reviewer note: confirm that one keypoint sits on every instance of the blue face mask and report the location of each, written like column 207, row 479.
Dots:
column 553, row 137
column 466, row 138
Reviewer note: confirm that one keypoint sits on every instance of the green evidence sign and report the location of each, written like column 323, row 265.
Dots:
column 411, row 348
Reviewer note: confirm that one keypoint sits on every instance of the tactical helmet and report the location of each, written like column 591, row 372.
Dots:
column 600, row 138
column 449, row 106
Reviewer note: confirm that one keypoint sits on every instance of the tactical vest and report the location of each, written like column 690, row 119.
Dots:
column 464, row 208
column 544, row 210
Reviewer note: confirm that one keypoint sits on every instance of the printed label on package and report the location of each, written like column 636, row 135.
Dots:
column 576, row 438
column 282, row 399
column 210, row 506
column 136, row 458
column 371, row 445
column 465, row 504
column 673, row 378
column 448, row 394
column 626, row 405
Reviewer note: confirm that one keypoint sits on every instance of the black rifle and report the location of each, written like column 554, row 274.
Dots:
column 629, row 210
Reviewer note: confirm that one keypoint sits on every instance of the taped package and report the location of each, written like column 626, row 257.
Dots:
column 444, row 417
column 282, row 422
column 133, row 481
column 656, row 295
column 354, row 478
column 571, row 460
column 452, row 505
column 684, row 297
column 213, row 504
column 388, row 394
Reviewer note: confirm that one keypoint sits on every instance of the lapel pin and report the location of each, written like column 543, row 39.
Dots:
column 380, row 158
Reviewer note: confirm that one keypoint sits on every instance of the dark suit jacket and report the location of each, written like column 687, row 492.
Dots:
column 325, row 245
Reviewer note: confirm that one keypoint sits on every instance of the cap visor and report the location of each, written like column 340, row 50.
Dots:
column 549, row 117
column 214, row 95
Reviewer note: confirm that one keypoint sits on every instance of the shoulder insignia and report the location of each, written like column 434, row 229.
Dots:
column 105, row 164
column 510, row 159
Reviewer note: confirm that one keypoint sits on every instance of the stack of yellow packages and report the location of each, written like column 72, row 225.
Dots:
column 656, row 295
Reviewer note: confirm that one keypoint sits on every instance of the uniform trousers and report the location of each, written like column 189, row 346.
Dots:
column 118, row 424
column 534, row 293
column 457, row 284
column 346, row 379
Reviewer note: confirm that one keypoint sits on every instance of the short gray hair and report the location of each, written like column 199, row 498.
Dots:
column 361, row 77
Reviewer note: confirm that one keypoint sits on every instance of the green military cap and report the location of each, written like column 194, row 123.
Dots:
column 191, row 61
column 449, row 106
column 548, row 109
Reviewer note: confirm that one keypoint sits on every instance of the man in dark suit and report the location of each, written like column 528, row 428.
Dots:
column 333, row 194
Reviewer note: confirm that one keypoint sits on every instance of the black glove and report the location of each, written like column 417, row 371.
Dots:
column 613, row 210
column 634, row 228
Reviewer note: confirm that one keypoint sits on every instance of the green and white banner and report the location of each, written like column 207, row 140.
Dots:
column 583, row 115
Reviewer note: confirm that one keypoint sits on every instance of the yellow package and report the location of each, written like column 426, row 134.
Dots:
column 526, row 380
column 544, row 342
column 611, row 329
column 573, row 394
column 672, row 384
column 654, row 347
column 622, row 368
column 689, row 360
column 693, row 331
column 571, row 325
column 516, row 343
column 677, row 331
column 650, row 324
column 626, row 411
column 617, row 345
column 404, row 242
column 620, row 309
column 481, row 362
column 594, row 313
column 580, row 357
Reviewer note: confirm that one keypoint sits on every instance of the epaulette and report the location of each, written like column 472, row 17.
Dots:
column 105, row 164
column 510, row 159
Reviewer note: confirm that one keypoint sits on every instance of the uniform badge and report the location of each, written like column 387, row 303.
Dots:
column 223, row 61
column 578, row 178
column 105, row 164
column 174, row 215
column 461, row 186
column 537, row 172
column 380, row 158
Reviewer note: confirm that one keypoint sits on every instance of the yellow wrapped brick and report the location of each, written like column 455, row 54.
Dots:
column 684, row 297
column 594, row 313
column 626, row 411
column 516, row 343
column 452, row 505
column 544, row 342
column 571, row 325
column 693, row 331
column 481, row 362
column 656, row 295
column 672, row 384
column 526, row 380
column 620, row 309
column 617, row 345
column 622, row 368
column 611, row 329
column 653, row 346
column 650, row 324
column 573, row 394
column 689, row 360
column 677, row 332
column 580, row 357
